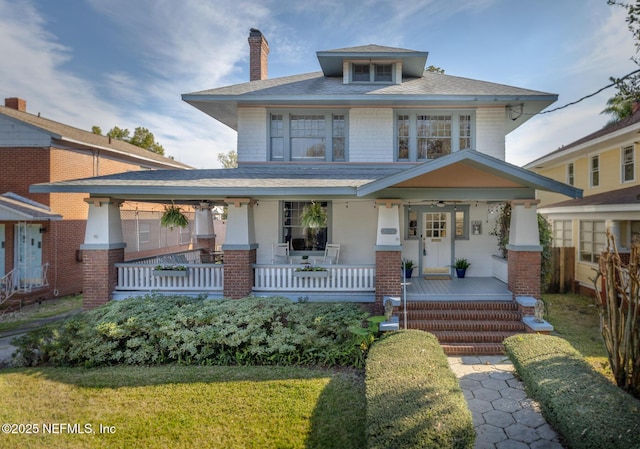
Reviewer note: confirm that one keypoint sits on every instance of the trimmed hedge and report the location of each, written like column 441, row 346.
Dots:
column 155, row 330
column 584, row 407
column 413, row 398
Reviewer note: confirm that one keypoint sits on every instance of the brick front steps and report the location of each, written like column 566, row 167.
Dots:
column 467, row 327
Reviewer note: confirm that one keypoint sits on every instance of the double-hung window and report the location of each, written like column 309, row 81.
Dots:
column 592, row 240
column 308, row 136
column 628, row 164
column 562, row 233
column 430, row 135
column 570, row 174
column 595, row 171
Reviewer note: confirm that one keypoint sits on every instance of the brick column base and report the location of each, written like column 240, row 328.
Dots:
column 238, row 273
column 388, row 277
column 99, row 275
column 524, row 273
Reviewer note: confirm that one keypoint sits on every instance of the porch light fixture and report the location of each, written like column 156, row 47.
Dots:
column 440, row 204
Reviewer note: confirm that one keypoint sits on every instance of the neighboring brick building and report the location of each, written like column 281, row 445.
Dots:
column 50, row 231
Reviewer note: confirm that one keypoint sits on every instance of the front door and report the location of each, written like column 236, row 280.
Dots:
column 28, row 250
column 436, row 243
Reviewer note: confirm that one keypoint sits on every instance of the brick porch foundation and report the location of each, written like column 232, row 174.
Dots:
column 388, row 277
column 99, row 275
column 238, row 273
column 524, row 273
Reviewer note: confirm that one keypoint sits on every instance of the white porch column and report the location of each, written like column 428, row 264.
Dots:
column 239, row 248
column 104, row 228
column 204, row 222
column 523, row 232
column 388, row 232
column 103, row 247
column 240, row 227
column 524, row 250
column 388, row 252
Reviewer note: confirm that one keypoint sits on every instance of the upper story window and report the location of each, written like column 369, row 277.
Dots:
column 628, row 164
column 312, row 137
column 421, row 137
column 594, row 175
column 372, row 73
column 570, row 175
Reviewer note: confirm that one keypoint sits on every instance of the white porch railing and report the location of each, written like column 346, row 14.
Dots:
column 141, row 277
column 340, row 278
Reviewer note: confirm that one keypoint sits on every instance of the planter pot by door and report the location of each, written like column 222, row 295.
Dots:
column 407, row 272
column 460, row 272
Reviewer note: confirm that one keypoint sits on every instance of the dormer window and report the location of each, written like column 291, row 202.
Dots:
column 372, row 73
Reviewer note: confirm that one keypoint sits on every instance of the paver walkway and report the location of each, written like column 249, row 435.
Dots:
column 503, row 416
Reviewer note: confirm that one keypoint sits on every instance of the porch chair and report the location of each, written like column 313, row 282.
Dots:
column 331, row 253
column 280, row 253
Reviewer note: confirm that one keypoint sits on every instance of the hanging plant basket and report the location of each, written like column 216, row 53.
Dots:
column 173, row 217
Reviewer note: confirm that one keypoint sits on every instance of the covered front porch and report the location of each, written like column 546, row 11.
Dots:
column 332, row 282
column 433, row 212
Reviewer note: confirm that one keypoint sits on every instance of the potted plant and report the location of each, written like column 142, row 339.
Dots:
column 461, row 266
column 172, row 217
column 313, row 217
column 170, row 270
column 407, row 266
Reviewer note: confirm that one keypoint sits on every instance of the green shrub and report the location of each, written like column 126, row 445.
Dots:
column 157, row 330
column 581, row 404
column 413, row 397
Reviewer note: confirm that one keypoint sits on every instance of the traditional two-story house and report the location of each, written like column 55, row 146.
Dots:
column 41, row 234
column 372, row 157
column 603, row 164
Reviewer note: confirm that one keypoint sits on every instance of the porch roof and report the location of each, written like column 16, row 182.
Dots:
column 14, row 207
column 480, row 177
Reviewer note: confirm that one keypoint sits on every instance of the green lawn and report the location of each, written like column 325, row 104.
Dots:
column 575, row 318
column 48, row 308
column 185, row 407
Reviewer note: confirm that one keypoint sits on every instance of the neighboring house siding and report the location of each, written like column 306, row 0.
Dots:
column 252, row 135
column 22, row 167
column 14, row 134
column 559, row 172
column 490, row 132
column 371, row 135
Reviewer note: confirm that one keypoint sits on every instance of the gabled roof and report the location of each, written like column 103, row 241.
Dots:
column 506, row 181
column 413, row 62
column 629, row 125
column 14, row 207
column 500, row 169
column 74, row 137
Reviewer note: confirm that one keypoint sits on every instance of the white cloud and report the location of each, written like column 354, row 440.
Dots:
column 33, row 69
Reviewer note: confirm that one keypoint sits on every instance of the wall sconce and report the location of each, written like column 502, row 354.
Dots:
column 43, row 230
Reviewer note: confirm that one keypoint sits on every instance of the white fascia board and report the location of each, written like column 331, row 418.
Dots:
column 605, row 208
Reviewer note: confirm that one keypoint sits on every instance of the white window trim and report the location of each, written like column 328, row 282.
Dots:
column 573, row 165
column 622, row 163
column 286, row 122
column 396, row 71
column 413, row 133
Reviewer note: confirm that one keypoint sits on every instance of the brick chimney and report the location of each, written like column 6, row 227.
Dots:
column 258, row 56
column 16, row 103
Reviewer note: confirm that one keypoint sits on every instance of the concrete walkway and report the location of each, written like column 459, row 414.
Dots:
column 503, row 416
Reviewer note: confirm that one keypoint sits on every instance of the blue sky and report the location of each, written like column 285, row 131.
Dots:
column 126, row 62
